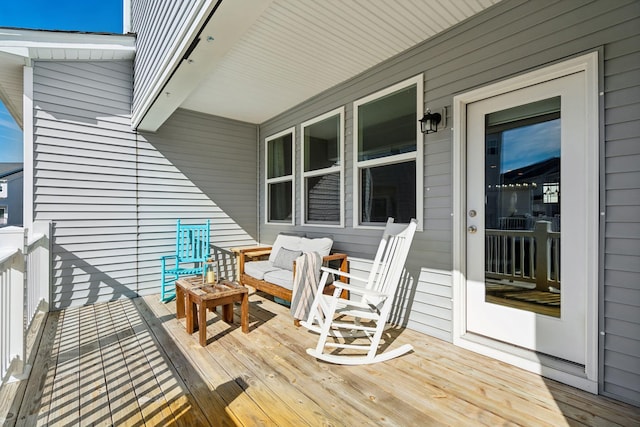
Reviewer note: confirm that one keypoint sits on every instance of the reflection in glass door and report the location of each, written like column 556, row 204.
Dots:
column 522, row 207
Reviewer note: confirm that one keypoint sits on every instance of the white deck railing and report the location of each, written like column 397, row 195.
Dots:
column 524, row 255
column 25, row 265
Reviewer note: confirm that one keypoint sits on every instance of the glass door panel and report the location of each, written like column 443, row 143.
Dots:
column 522, row 207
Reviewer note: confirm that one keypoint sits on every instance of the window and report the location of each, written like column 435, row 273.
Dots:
column 279, row 177
column 4, row 215
column 388, row 155
column 4, row 189
column 322, row 169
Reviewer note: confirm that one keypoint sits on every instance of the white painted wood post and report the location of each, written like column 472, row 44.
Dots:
column 543, row 251
column 14, row 238
column 43, row 287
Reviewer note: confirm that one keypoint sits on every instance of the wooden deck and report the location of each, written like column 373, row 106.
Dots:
column 131, row 362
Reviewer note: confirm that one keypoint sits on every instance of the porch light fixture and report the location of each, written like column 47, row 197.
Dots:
column 429, row 122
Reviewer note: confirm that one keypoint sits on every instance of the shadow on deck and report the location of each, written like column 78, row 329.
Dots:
column 131, row 362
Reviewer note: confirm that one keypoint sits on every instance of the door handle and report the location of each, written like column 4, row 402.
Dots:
column 472, row 229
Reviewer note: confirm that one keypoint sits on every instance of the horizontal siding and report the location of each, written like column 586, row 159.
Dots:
column 507, row 39
column 195, row 167
column 114, row 195
column 84, row 178
column 160, row 26
column 621, row 344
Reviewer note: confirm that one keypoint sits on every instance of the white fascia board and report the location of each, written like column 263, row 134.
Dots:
column 227, row 25
column 22, row 52
column 17, row 41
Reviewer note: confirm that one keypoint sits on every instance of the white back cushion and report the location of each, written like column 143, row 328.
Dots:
column 321, row 245
column 283, row 241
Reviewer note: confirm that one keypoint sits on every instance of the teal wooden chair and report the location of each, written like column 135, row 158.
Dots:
column 192, row 251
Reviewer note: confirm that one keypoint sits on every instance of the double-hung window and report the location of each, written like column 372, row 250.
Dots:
column 388, row 155
column 279, row 177
column 322, row 169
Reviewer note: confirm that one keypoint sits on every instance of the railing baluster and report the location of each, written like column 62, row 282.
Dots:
column 538, row 253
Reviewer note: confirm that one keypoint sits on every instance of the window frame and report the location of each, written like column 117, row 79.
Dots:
column 417, row 155
column 340, row 112
column 280, row 179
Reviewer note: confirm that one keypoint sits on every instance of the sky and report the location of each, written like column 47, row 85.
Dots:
column 528, row 145
column 104, row 16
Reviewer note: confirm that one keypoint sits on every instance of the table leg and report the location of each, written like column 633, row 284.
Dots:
column 179, row 302
column 202, row 314
column 244, row 316
column 227, row 313
column 192, row 319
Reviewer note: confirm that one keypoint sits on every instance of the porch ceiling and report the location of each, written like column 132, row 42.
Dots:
column 294, row 50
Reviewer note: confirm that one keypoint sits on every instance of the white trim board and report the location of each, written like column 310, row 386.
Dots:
column 525, row 359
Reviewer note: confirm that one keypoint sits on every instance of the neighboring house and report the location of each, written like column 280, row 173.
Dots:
column 251, row 116
column 10, row 194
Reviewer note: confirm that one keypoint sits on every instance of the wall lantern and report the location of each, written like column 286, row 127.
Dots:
column 429, row 122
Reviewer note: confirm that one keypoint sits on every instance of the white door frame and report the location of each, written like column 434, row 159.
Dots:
column 587, row 379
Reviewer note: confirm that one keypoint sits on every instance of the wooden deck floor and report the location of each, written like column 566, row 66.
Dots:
column 131, row 363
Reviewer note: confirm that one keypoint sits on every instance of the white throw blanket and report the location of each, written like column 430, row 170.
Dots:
column 305, row 284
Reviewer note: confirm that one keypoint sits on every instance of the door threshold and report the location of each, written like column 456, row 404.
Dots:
column 564, row 371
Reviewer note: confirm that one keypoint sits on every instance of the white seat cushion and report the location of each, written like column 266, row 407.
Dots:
column 280, row 277
column 257, row 269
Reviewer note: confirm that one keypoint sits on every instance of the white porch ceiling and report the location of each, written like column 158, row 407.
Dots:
column 296, row 49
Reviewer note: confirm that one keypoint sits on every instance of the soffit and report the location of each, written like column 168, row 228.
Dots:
column 297, row 49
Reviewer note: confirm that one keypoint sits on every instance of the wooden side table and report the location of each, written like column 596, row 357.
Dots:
column 193, row 298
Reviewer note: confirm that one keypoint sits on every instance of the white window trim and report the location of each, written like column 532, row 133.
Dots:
column 333, row 169
column 417, row 155
column 279, row 179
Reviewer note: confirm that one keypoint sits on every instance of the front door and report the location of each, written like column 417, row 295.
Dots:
column 527, row 233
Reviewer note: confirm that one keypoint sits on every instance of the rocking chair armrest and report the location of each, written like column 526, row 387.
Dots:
column 340, row 286
column 342, row 273
column 164, row 258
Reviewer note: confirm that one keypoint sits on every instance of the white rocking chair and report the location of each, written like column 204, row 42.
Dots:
column 366, row 315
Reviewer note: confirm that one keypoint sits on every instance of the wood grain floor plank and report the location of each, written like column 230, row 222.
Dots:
column 94, row 400
column 34, row 409
column 65, row 395
column 155, row 374
column 122, row 398
column 165, row 397
column 203, row 394
column 230, row 389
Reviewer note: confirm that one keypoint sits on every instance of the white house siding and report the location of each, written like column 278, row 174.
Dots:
column 196, row 166
column 85, row 178
column 510, row 38
column 160, row 26
column 114, row 196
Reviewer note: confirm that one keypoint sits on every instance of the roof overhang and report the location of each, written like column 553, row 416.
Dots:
column 258, row 58
column 19, row 48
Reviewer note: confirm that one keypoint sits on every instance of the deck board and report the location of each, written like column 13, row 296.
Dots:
column 131, row 362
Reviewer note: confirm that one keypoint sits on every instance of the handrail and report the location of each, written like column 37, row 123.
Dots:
column 524, row 255
column 25, row 271
column 35, row 239
column 7, row 254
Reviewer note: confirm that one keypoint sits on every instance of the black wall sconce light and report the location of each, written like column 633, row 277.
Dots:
column 429, row 122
